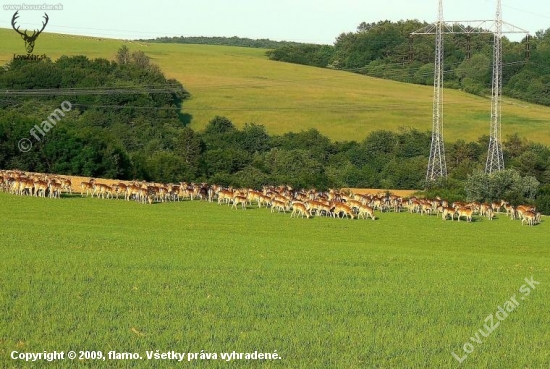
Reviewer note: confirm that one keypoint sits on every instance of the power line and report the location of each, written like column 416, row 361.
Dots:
column 150, row 89
column 126, row 107
column 133, row 90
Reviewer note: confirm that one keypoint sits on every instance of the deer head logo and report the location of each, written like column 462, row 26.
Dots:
column 29, row 40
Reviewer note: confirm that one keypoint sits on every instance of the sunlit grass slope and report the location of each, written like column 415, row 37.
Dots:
column 243, row 85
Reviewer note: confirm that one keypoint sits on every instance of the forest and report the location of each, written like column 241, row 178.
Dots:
column 126, row 122
column 225, row 41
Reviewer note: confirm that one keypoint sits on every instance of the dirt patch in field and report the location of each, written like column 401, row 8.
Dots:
column 77, row 180
column 402, row 193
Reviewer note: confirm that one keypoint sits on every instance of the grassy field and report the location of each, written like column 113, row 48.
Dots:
column 401, row 291
column 243, row 85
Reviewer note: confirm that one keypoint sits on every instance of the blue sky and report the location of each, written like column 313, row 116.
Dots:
column 316, row 21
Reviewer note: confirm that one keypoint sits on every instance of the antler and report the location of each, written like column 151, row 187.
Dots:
column 15, row 16
column 29, row 40
column 36, row 33
column 24, row 34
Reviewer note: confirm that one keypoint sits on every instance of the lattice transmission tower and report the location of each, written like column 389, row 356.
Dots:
column 495, row 157
column 437, row 167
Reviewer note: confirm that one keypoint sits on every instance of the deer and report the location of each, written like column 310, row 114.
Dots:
column 88, row 187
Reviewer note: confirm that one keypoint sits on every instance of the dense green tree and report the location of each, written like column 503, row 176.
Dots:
column 311, row 140
column 253, row 178
column 219, row 125
column 506, row 184
column 412, row 143
column 478, row 68
column 381, row 142
column 308, row 54
column 165, row 166
column 190, row 147
column 254, row 138
column 123, row 55
column 404, row 173
column 229, row 160
column 296, row 167
column 227, row 41
column 543, row 199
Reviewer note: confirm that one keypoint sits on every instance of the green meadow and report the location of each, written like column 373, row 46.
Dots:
column 404, row 291
column 243, row 85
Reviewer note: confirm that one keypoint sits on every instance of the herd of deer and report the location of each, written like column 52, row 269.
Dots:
column 302, row 203
column 526, row 213
column 21, row 183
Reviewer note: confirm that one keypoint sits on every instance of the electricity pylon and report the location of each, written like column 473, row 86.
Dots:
column 437, row 167
column 495, row 157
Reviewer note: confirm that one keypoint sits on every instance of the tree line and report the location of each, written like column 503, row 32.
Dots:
column 263, row 43
column 385, row 49
column 140, row 133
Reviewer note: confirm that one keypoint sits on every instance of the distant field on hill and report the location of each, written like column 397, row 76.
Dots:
column 243, row 85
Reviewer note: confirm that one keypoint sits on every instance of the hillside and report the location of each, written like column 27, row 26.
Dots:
column 243, row 85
